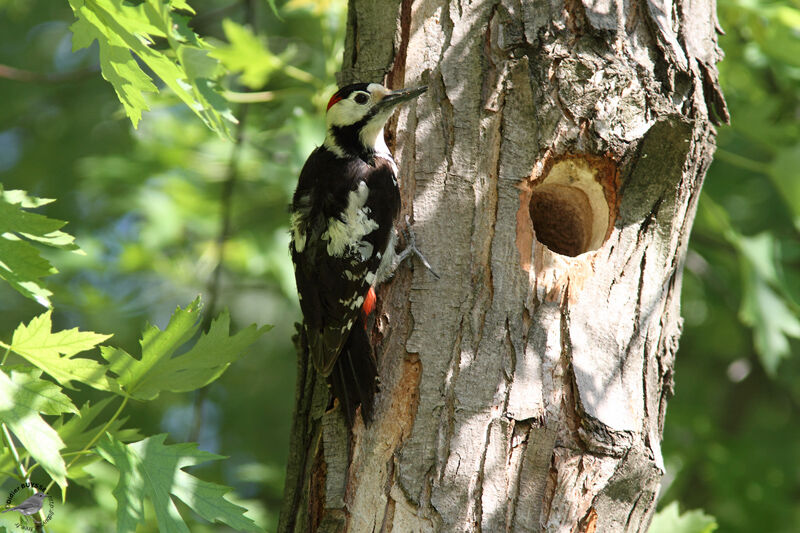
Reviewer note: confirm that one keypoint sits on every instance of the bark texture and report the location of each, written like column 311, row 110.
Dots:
column 551, row 172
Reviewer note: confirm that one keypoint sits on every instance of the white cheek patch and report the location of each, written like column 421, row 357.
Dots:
column 345, row 112
column 377, row 91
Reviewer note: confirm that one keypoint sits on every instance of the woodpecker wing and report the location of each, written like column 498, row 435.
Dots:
column 337, row 310
column 342, row 219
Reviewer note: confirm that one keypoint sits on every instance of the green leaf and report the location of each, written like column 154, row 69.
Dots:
column 22, row 267
column 53, row 352
column 198, row 62
column 158, row 371
column 771, row 319
column 17, row 196
column 124, row 29
column 760, row 251
column 23, row 398
column 14, row 219
column 182, row 4
column 766, row 305
column 150, row 469
column 77, row 430
column 247, row 54
column 21, row 264
column 783, row 172
column 669, row 520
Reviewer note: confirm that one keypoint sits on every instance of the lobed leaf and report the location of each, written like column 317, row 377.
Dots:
column 150, row 469
column 158, row 371
column 125, row 31
column 78, row 430
column 766, row 305
column 23, row 398
column 53, row 352
column 247, row 54
column 773, row 322
column 21, row 264
column 23, row 267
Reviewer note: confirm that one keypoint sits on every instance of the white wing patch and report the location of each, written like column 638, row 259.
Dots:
column 353, row 303
column 346, row 234
column 297, row 222
column 298, row 235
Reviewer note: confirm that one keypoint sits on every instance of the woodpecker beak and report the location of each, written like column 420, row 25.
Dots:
column 394, row 98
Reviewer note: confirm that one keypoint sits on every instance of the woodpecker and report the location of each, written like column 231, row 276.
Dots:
column 343, row 239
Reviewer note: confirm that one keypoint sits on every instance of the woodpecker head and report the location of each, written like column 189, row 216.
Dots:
column 356, row 115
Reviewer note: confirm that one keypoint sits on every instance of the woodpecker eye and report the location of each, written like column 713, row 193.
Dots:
column 361, row 98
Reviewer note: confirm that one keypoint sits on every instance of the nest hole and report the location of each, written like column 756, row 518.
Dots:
column 569, row 210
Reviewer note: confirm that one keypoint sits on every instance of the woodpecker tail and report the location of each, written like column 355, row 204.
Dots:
column 354, row 378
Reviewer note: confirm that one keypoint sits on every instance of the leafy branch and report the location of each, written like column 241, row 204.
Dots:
column 126, row 32
column 21, row 263
column 157, row 34
column 25, row 396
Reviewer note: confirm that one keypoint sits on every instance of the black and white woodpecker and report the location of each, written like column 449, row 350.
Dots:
column 343, row 238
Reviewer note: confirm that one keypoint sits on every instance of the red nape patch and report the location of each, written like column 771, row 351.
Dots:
column 335, row 98
column 369, row 303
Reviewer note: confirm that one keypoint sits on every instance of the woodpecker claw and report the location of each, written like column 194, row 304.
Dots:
column 411, row 248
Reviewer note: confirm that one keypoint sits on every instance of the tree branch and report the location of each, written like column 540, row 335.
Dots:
column 16, row 74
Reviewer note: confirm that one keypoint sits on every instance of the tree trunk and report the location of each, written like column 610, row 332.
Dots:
column 551, row 173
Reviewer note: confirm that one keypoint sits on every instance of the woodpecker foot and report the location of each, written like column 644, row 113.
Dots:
column 411, row 248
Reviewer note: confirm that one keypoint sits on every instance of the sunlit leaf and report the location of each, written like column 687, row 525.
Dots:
column 24, row 397
column 669, row 520
column 124, row 30
column 53, row 352
column 247, row 54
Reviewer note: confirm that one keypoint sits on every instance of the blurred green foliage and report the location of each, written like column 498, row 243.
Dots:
column 149, row 205
column 732, row 429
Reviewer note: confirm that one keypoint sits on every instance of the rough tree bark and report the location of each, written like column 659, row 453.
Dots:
column 552, row 172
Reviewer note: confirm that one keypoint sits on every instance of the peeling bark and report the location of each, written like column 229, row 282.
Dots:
column 526, row 389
